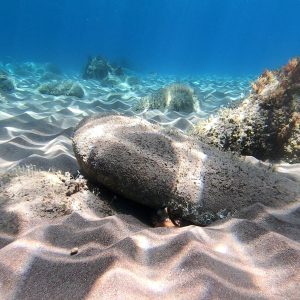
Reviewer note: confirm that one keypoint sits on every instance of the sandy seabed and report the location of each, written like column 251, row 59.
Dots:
column 65, row 242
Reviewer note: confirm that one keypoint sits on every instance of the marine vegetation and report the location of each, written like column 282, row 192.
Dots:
column 176, row 97
column 63, row 88
column 266, row 123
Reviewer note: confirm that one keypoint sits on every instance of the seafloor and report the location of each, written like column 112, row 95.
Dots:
column 253, row 256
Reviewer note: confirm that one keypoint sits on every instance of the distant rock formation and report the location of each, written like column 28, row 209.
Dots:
column 176, row 97
column 132, row 80
column 99, row 68
column 266, row 124
column 6, row 84
column 64, row 88
column 52, row 68
column 163, row 168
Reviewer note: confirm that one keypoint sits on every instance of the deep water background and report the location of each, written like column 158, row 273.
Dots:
column 233, row 37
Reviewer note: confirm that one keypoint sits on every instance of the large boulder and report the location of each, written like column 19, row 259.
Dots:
column 266, row 124
column 62, row 88
column 175, row 97
column 160, row 168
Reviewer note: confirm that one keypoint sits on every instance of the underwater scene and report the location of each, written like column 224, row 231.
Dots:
column 150, row 149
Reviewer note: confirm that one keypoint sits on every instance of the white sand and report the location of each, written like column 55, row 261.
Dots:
column 36, row 129
column 254, row 256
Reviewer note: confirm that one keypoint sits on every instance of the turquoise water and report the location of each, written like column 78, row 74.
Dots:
column 215, row 47
column 55, row 239
column 233, row 37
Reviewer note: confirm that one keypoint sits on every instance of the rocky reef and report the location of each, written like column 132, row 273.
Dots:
column 62, row 88
column 99, row 68
column 6, row 84
column 160, row 168
column 265, row 124
column 176, row 97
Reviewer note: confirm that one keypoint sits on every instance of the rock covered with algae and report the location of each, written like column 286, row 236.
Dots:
column 62, row 88
column 176, row 97
column 99, row 68
column 6, row 84
column 162, row 168
column 266, row 124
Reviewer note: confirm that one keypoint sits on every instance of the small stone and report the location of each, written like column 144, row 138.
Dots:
column 74, row 251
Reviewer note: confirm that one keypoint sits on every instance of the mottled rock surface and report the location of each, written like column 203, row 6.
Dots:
column 62, row 88
column 266, row 124
column 99, row 68
column 160, row 168
column 175, row 97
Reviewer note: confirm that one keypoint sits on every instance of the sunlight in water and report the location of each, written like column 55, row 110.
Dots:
column 221, row 248
column 142, row 242
column 134, row 278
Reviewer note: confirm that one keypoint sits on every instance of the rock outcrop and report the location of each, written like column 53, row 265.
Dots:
column 160, row 168
column 99, row 68
column 62, row 88
column 6, row 84
column 176, row 97
column 266, row 124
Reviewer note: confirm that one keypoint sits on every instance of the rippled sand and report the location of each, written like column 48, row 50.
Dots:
column 36, row 129
column 253, row 256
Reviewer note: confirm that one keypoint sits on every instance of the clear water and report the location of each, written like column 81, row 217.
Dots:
column 233, row 37
column 217, row 47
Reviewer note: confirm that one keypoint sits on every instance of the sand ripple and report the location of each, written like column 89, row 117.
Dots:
column 121, row 258
column 253, row 256
column 35, row 128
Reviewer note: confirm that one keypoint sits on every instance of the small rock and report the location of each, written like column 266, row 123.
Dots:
column 74, row 251
column 65, row 88
column 69, row 193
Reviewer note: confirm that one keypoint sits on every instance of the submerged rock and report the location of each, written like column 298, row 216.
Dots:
column 266, row 124
column 96, row 68
column 64, row 88
column 25, row 69
column 131, row 80
column 160, row 168
column 176, row 97
column 48, row 76
column 6, row 84
column 53, row 68
column 99, row 68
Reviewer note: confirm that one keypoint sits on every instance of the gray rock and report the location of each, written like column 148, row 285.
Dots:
column 175, row 97
column 96, row 68
column 99, row 68
column 64, row 88
column 6, row 84
column 131, row 80
column 160, row 168
column 266, row 124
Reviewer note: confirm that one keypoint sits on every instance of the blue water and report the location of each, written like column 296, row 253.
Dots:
column 169, row 36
